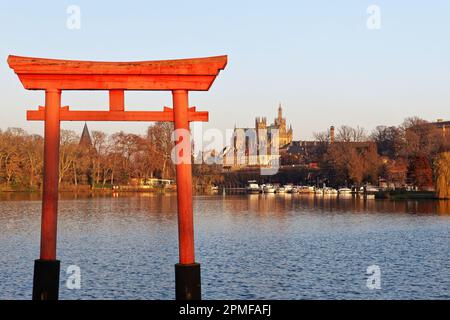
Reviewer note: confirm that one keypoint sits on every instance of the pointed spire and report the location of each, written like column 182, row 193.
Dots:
column 280, row 111
column 86, row 136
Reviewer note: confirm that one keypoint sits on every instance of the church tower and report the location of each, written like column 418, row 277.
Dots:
column 280, row 113
column 285, row 134
column 86, row 137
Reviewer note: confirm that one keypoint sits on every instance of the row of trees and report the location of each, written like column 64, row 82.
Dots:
column 405, row 154
column 107, row 160
column 413, row 153
column 20, row 158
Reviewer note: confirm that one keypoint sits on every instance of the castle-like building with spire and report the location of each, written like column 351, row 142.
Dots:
column 284, row 134
column 254, row 146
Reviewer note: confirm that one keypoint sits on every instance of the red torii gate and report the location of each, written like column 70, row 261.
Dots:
column 53, row 76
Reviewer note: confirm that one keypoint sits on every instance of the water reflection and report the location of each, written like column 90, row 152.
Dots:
column 265, row 203
column 277, row 204
column 250, row 246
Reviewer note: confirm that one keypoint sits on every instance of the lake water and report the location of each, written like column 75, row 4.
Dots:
column 249, row 246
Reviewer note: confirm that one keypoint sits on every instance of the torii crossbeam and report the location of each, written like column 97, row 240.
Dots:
column 54, row 76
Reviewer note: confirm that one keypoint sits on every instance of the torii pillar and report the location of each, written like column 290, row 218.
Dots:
column 177, row 76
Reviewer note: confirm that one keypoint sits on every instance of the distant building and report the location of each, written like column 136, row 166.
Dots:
column 284, row 134
column 443, row 126
column 308, row 153
column 252, row 146
column 85, row 139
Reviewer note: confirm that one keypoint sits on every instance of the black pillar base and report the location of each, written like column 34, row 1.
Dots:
column 46, row 280
column 187, row 282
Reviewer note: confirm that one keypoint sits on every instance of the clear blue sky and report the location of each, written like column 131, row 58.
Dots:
column 316, row 57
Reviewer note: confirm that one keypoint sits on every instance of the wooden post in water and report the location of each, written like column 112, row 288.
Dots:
column 187, row 271
column 46, row 269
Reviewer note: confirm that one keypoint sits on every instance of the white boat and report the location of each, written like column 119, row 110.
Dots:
column 293, row 190
column 369, row 189
column 305, row 189
column 268, row 188
column 318, row 191
column 252, row 187
column 288, row 188
column 345, row 191
column 330, row 191
column 280, row 190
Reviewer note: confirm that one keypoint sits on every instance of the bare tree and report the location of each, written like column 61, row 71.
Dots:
column 33, row 147
column 67, row 152
column 349, row 134
column 389, row 140
column 160, row 138
column 99, row 141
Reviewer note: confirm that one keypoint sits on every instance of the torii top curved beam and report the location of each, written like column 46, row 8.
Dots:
column 196, row 74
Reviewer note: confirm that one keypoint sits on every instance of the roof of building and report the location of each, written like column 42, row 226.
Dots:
column 299, row 146
column 441, row 123
column 85, row 136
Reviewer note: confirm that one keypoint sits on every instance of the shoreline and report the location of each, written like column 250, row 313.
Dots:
column 382, row 195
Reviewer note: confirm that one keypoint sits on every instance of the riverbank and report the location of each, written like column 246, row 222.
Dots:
column 407, row 195
column 83, row 189
column 87, row 188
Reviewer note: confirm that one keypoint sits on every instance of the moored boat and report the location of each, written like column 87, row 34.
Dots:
column 268, row 188
column 345, row 191
column 372, row 189
column 330, row 191
column 280, row 190
column 252, row 187
column 318, row 191
column 293, row 190
column 306, row 189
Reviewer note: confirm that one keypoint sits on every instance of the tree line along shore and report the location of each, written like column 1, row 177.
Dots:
column 413, row 154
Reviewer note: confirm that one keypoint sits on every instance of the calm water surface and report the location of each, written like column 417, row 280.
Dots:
column 250, row 247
